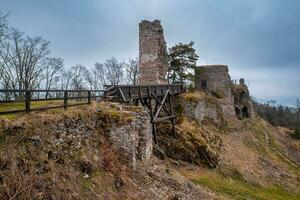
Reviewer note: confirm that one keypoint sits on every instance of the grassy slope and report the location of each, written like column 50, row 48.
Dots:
column 238, row 189
column 235, row 186
column 35, row 104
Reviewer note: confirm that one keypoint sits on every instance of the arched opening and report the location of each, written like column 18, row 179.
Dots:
column 237, row 112
column 245, row 112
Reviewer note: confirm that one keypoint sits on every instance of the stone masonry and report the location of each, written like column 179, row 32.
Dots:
column 214, row 78
column 153, row 59
column 234, row 98
column 243, row 103
column 133, row 140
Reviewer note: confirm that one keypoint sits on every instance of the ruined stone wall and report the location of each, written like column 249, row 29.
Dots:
column 216, row 77
column 153, row 59
column 243, row 103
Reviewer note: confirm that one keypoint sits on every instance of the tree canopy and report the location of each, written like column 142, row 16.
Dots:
column 183, row 59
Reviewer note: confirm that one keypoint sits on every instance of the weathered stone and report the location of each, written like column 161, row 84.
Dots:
column 234, row 99
column 214, row 78
column 153, row 60
column 243, row 104
column 133, row 140
column 203, row 107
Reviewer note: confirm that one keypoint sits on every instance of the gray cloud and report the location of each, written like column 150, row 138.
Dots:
column 258, row 39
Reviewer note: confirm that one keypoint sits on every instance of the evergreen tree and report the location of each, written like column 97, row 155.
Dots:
column 183, row 59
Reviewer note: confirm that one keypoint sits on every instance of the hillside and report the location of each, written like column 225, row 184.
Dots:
column 102, row 151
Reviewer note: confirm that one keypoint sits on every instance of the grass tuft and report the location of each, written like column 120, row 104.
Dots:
column 238, row 189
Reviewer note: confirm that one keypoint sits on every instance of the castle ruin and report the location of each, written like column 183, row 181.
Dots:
column 234, row 98
column 153, row 56
column 214, row 78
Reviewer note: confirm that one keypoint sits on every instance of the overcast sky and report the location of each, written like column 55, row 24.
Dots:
column 257, row 39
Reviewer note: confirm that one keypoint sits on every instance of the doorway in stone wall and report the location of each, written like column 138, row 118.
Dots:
column 237, row 112
column 245, row 112
column 204, row 84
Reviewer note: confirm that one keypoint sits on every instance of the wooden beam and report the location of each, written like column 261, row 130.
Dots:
column 164, row 118
column 122, row 95
column 164, row 106
column 160, row 106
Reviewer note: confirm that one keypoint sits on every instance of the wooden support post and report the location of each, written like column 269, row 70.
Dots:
column 164, row 106
column 160, row 106
column 154, row 133
column 122, row 95
column 89, row 97
column 130, row 95
column 27, row 101
column 65, row 100
column 172, row 119
column 151, row 115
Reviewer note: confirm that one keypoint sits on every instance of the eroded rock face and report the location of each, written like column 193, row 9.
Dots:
column 243, row 104
column 153, row 59
column 200, row 107
column 133, row 140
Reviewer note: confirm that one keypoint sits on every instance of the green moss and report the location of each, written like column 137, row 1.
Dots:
column 87, row 183
column 2, row 138
column 296, row 134
column 179, row 109
column 238, row 189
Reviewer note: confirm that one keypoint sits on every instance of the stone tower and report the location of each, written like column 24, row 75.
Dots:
column 153, row 59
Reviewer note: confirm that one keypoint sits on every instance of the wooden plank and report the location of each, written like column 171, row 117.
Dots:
column 160, row 106
column 164, row 118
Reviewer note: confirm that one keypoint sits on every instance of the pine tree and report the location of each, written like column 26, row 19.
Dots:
column 183, row 59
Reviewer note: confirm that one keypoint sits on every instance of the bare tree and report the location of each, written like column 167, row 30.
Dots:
column 3, row 38
column 78, row 77
column 23, row 59
column 114, row 71
column 3, row 26
column 52, row 68
column 65, row 78
column 132, row 70
column 100, row 72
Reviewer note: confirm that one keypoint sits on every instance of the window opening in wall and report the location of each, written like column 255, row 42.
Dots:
column 204, row 84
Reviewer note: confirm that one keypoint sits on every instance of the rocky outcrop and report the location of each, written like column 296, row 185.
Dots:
column 243, row 103
column 200, row 107
column 133, row 140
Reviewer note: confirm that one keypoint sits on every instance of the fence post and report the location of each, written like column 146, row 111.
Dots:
column 65, row 100
column 27, row 101
column 89, row 97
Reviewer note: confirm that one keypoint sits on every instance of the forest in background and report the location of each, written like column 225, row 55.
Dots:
column 279, row 115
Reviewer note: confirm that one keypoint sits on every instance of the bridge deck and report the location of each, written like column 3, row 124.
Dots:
column 157, row 98
column 130, row 92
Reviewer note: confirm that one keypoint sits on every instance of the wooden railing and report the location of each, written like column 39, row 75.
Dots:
column 9, row 98
column 121, row 93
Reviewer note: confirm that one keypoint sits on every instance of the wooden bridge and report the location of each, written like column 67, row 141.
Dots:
column 157, row 99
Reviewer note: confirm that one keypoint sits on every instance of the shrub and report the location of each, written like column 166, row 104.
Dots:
column 296, row 134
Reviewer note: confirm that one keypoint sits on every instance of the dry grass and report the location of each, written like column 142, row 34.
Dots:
column 19, row 185
column 86, row 173
column 193, row 96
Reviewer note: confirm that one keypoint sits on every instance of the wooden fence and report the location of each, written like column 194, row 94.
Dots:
column 10, row 97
